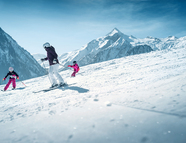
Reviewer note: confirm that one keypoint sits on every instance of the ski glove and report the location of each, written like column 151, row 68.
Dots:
column 69, row 65
column 17, row 77
column 4, row 78
column 42, row 60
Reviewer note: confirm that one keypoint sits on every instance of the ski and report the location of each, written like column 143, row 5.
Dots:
column 20, row 88
column 49, row 89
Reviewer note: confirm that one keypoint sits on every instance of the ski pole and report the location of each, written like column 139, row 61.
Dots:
column 62, row 65
column 47, row 73
column 22, row 82
column 65, row 67
column 80, row 73
column 45, row 67
column 1, row 82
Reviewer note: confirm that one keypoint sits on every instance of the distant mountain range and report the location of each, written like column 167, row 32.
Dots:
column 13, row 55
column 115, row 45
column 161, row 43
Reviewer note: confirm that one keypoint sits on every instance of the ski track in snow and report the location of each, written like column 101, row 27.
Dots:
column 154, row 82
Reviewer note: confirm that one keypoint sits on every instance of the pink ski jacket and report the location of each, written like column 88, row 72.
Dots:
column 76, row 67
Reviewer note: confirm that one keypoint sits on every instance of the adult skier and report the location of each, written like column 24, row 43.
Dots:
column 12, row 78
column 54, row 65
column 76, row 68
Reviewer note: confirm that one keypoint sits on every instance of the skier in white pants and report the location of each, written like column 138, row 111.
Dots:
column 54, row 65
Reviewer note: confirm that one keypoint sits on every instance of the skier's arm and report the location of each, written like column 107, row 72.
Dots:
column 44, row 59
column 6, row 76
column 73, row 66
column 16, row 75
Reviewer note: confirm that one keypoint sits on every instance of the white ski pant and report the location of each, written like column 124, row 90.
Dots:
column 54, row 75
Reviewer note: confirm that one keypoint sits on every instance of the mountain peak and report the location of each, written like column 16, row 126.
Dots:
column 172, row 37
column 114, row 31
column 150, row 37
column 132, row 37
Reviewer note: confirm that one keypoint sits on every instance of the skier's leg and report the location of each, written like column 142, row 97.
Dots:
column 51, row 74
column 56, row 73
column 8, row 84
column 73, row 74
column 14, row 82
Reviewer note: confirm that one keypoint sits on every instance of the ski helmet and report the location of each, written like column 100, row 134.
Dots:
column 46, row 45
column 74, row 62
column 11, row 69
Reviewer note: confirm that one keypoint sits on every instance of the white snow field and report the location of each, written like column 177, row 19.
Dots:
column 134, row 99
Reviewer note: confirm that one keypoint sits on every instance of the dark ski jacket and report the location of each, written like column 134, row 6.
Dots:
column 51, row 56
column 11, row 75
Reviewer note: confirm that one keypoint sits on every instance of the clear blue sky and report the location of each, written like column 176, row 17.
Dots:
column 70, row 24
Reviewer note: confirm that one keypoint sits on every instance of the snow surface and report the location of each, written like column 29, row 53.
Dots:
column 134, row 99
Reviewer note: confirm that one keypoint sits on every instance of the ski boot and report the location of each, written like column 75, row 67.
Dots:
column 54, row 85
column 61, row 84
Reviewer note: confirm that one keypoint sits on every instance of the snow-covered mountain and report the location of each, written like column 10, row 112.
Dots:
column 139, row 49
column 114, row 45
column 11, row 54
column 161, row 43
column 133, row 99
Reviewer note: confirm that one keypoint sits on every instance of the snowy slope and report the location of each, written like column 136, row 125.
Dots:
column 134, row 99
column 11, row 54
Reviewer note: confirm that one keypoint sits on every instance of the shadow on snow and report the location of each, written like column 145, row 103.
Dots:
column 76, row 88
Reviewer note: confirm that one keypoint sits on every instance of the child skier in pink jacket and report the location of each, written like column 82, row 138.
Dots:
column 76, row 68
column 12, row 78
